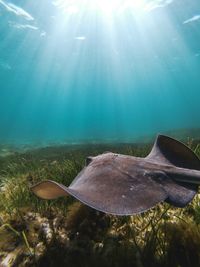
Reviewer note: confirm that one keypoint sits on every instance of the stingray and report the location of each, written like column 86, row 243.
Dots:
column 126, row 185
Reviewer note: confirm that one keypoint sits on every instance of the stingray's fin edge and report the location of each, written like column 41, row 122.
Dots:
column 167, row 150
column 49, row 189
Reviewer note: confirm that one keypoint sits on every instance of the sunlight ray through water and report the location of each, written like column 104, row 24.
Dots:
column 86, row 71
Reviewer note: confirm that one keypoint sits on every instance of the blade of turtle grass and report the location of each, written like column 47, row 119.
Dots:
column 21, row 235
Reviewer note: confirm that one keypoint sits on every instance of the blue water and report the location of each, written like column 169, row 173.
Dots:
column 79, row 71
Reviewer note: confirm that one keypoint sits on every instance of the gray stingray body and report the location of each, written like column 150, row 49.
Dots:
column 125, row 185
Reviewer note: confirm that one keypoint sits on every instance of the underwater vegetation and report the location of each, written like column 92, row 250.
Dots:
column 64, row 232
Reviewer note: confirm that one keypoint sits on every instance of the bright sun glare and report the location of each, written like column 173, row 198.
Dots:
column 113, row 5
column 105, row 6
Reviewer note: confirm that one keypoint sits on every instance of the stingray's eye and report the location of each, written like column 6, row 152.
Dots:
column 88, row 160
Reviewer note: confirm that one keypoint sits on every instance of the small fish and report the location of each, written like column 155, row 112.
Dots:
column 126, row 185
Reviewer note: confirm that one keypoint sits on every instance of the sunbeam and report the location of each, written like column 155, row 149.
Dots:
column 103, row 6
column 77, row 70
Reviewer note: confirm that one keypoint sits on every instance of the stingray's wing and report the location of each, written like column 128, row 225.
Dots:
column 49, row 190
column 104, row 186
column 167, row 150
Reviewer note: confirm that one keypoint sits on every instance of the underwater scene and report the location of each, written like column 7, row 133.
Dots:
column 107, row 92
